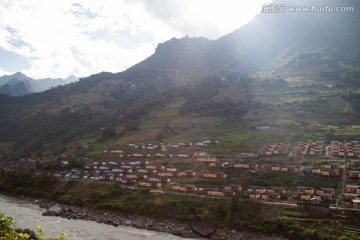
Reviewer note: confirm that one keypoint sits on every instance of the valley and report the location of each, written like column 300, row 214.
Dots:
column 256, row 131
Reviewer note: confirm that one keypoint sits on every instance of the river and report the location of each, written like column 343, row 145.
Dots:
column 29, row 216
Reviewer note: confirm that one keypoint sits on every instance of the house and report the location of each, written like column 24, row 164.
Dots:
column 259, row 189
column 228, row 192
column 214, row 175
column 305, row 189
column 238, row 165
column 165, row 179
column 305, row 196
column 155, row 183
column 332, row 166
column 253, row 166
column 353, row 174
column 270, row 196
column 352, row 188
column 221, row 175
column 209, row 175
column 200, row 154
column 350, row 153
column 125, row 180
column 315, row 171
column 215, row 193
column 187, row 173
column 141, row 170
column 131, row 176
column 275, row 168
column 144, row 184
column 351, row 196
column 234, row 187
column 171, row 169
column 288, row 168
column 323, row 196
column 206, row 160
column 248, row 155
column 276, row 189
column 188, row 188
column 330, row 172
column 165, row 174
column 151, row 169
column 355, row 163
column 254, row 195
column 217, row 164
column 175, row 186
column 326, row 191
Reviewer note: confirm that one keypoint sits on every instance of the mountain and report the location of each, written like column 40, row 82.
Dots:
column 264, row 45
column 19, row 84
column 18, row 75
column 16, row 87
column 276, row 70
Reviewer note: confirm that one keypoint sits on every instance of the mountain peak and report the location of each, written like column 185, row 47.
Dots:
column 19, row 76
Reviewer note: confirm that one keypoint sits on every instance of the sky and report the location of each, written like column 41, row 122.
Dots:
column 58, row 38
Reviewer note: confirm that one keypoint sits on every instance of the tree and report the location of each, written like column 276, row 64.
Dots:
column 348, row 108
column 7, row 233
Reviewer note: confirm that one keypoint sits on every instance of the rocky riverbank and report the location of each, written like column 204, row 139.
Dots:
column 194, row 229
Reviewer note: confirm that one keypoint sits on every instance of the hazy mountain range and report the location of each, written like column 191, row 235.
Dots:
column 191, row 78
column 19, row 84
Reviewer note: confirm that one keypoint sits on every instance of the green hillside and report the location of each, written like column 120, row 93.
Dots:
column 297, row 73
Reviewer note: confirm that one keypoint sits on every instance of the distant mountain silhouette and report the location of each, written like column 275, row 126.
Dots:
column 19, row 84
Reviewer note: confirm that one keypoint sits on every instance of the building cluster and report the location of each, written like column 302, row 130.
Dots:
column 272, row 193
column 278, row 168
column 352, row 194
column 26, row 165
column 307, row 193
column 326, row 170
column 160, row 150
column 228, row 190
column 133, row 165
column 154, row 146
column 342, row 149
column 354, row 172
column 272, row 149
column 311, row 148
column 134, row 172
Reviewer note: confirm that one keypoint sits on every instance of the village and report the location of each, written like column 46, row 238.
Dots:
column 187, row 168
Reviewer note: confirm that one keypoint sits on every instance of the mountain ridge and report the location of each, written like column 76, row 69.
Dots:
column 18, row 84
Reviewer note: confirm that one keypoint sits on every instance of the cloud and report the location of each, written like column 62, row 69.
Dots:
column 2, row 72
column 207, row 18
column 59, row 38
column 56, row 36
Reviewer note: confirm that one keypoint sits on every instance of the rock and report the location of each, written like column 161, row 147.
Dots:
column 53, row 211
column 128, row 222
column 204, row 228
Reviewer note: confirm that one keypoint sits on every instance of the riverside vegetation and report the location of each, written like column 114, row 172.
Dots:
column 239, row 214
column 8, row 233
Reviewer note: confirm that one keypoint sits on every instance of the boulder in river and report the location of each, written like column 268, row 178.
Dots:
column 204, row 228
column 53, row 211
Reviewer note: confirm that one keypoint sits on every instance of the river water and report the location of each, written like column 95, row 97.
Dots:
column 29, row 216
